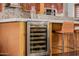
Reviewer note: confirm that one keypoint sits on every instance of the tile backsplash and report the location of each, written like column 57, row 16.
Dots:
column 14, row 13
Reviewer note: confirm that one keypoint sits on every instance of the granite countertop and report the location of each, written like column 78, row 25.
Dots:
column 25, row 20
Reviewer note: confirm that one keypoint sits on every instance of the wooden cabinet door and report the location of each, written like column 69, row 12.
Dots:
column 26, row 6
column 1, row 7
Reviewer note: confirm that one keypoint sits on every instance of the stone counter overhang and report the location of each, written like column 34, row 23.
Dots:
column 75, row 20
column 42, row 20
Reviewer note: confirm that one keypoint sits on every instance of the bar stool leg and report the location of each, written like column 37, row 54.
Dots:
column 73, row 44
column 76, row 42
column 67, row 44
column 63, row 44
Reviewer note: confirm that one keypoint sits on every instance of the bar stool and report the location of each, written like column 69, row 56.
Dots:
column 67, row 28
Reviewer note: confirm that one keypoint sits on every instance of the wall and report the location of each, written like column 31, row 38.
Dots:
column 71, row 10
column 25, row 13
column 9, row 38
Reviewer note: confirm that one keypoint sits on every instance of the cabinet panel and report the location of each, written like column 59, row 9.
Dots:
column 9, row 38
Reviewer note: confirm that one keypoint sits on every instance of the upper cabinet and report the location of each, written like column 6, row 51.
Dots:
column 28, row 6
column 1, row 7
column 37, row 5
column 25, row 6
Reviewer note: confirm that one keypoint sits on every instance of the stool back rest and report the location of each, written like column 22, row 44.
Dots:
column 68, row 27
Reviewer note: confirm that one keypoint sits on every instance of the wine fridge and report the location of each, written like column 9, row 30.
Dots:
column 37, row 38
